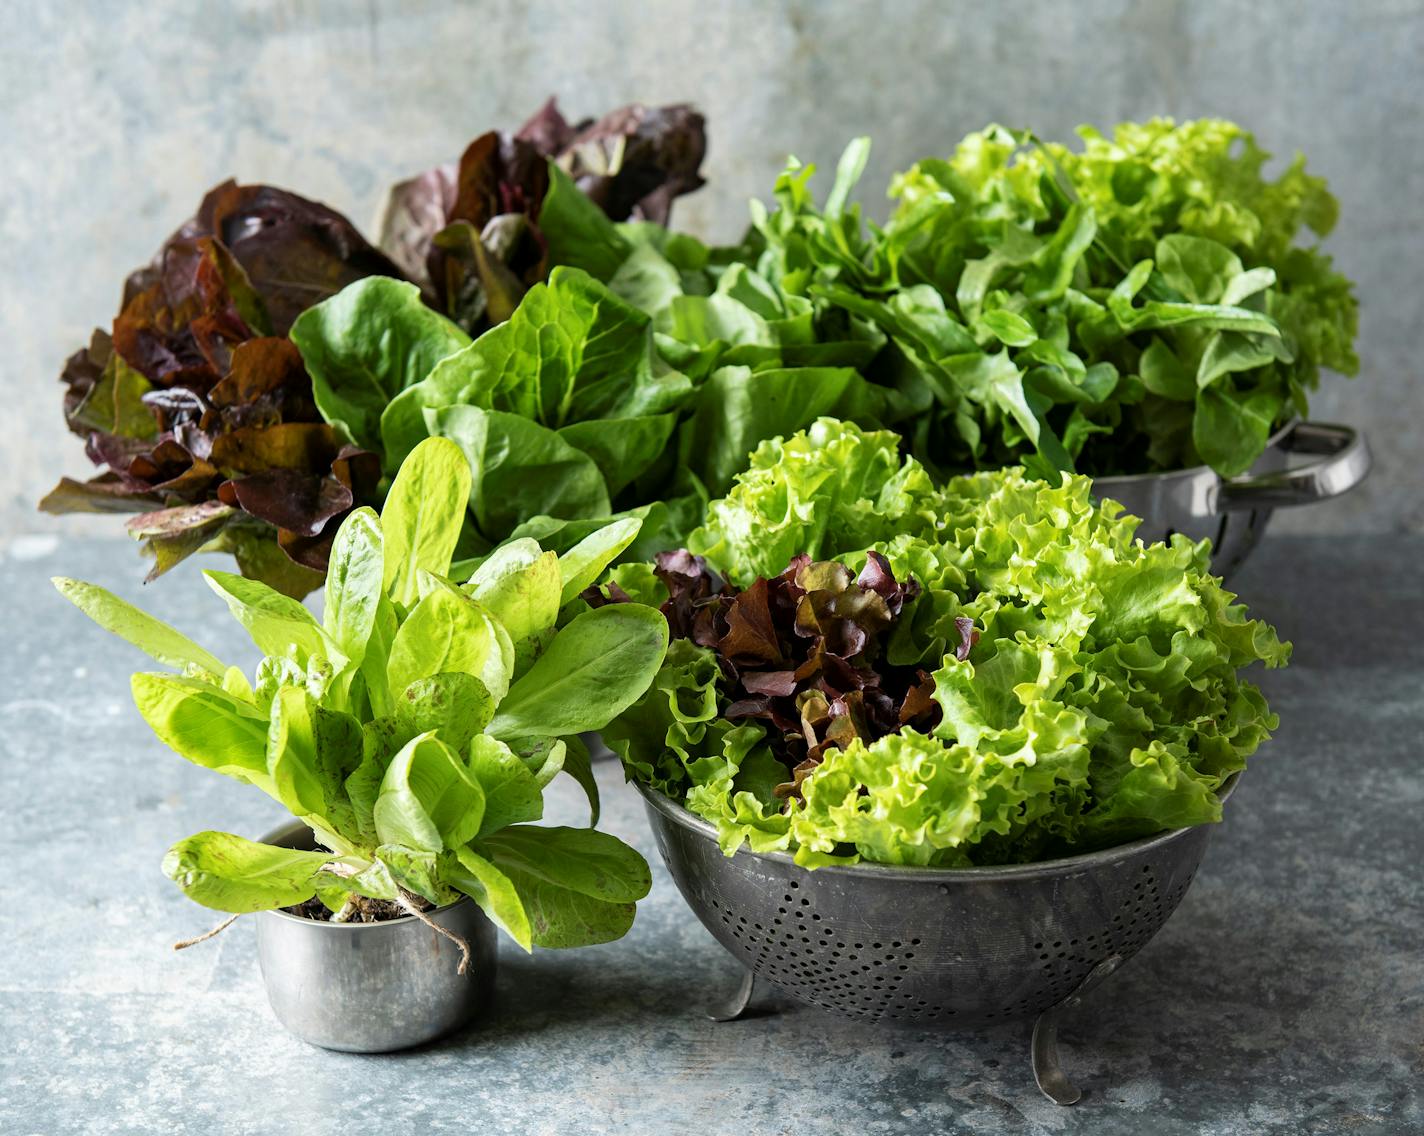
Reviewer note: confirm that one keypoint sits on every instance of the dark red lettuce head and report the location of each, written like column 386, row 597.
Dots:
column 200, row 408
column 468, row 232
column 802, row 652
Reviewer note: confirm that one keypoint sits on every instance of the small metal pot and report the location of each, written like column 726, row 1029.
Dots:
column 1233, row 512
column 372, row 987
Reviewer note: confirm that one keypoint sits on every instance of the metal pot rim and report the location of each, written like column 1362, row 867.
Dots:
column 292, row 828
column 1066, row 865
column 1193, row 470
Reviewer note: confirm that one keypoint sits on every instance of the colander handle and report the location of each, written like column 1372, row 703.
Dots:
column 1344, row 462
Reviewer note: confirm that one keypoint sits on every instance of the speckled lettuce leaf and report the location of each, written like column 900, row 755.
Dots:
column 578, row 886
column 376, row 725
column 429, row 798
column 227, row 873
column 151, row 636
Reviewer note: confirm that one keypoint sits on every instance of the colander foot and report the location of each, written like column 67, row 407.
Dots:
column 1047, row 1071
column 738, row 1004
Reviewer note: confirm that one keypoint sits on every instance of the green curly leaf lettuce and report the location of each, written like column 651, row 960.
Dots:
column 1101, row 701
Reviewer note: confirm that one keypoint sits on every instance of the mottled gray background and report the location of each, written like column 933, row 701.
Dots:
column 115, row 117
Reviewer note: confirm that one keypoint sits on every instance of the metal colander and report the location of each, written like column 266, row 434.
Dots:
column 931, row 947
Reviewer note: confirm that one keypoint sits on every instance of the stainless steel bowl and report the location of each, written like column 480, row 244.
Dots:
column 1233, row 512
column 372, row 987
column 925, row 946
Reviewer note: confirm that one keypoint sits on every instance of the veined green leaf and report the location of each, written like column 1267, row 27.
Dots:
column 521, row 469
column 578, row 886
column 593, row 669
column 577, row 763
column 354, row 582
column 522, row 594
column 151, row 636
column 448, row 631
column 579, row 233
column 277, row 623
column 455, row 706
column 365, row 345
column 512, row 794
column 494, row 892
column 227, row 873
column 421, row 520
column 584, row 563
column 418, row 871
column 206, row 725
column 311, row 750
column 429, row 800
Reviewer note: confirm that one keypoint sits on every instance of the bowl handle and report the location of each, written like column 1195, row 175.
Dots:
column 1344, row 462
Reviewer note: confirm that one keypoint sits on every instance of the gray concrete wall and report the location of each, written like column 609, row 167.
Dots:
column 115, row 117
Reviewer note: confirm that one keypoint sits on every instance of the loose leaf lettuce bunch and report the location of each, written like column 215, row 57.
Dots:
column 1100, row 701
column 414, row 727
column 1137, row 305
column 199, row 406
column 1160, row 255
column 803, row 652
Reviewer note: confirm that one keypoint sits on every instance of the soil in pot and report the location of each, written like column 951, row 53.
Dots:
column 360, row 909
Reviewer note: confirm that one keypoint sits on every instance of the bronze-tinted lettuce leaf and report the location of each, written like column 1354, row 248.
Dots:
column 201, row 409
column 633, row 162
column 463, row 229
column 801, row 652
column 467, row 233
column 294, row 252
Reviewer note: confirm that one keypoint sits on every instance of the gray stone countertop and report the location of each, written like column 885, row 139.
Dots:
column 1286, row 995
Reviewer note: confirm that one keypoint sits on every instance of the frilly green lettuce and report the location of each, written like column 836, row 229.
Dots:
column 827, row 490
column 1101, row 702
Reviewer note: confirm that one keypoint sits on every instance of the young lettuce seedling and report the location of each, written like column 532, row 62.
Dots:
column 414, row 727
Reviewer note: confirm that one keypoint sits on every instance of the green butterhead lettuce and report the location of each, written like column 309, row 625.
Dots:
column 413, row 728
